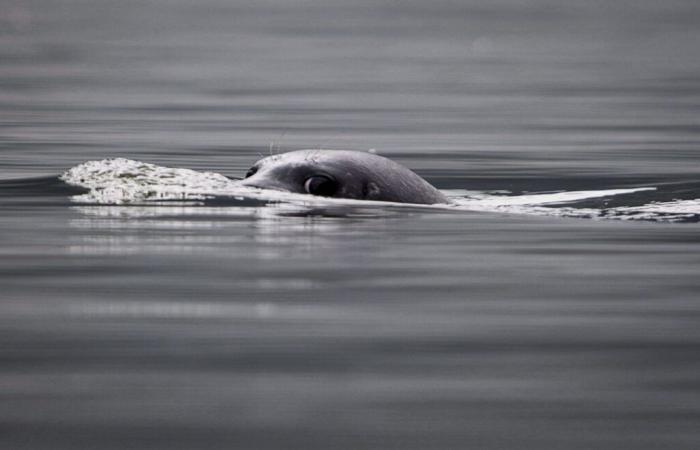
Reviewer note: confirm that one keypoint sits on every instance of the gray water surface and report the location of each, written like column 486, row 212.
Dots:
column 185, row 326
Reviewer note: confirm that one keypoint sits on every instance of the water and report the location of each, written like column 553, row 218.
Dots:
column 242, row 324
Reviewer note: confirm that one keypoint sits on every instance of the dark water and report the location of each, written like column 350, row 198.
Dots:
column 165, row 327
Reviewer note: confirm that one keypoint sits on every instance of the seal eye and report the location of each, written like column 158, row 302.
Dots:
column 252, row 171
column 320, row 185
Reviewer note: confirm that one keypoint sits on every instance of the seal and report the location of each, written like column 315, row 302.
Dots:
column 342, row 174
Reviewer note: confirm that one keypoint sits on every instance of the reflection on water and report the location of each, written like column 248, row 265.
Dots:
column 264, row 231
column 194, row 324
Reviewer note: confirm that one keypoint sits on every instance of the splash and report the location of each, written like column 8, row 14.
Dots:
column 557, row 204
column 122, row 181
column 119, row 181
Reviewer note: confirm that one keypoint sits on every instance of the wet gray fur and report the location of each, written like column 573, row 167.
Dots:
column 360, row 175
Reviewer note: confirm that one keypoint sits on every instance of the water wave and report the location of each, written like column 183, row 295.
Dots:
column 122, row 181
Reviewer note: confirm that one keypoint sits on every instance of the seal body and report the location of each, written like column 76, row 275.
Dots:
column 342, row 174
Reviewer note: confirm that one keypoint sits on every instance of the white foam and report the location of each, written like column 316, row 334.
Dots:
column 484, row 199
column 122, row 181
column 673, row 211
column 536, row 204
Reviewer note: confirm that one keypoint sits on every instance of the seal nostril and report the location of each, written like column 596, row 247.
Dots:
column 252, row 171
column 370, row 190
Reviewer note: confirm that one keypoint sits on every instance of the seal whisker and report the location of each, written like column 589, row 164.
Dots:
column 279, row 141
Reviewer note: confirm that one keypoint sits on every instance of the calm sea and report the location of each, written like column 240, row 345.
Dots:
column 204, row 327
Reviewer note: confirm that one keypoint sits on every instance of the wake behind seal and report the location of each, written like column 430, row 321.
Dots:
column 342, row 174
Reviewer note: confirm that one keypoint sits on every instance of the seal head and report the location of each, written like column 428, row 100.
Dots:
column 342, row 174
